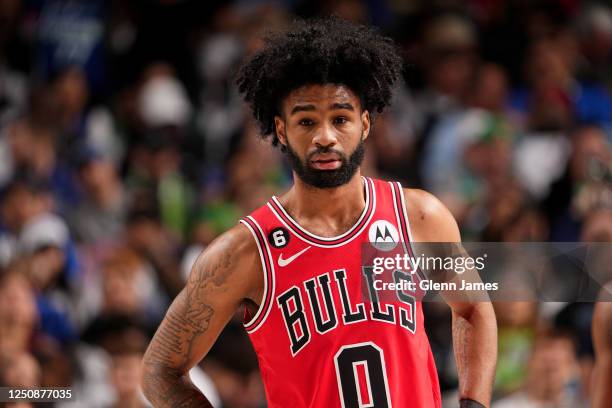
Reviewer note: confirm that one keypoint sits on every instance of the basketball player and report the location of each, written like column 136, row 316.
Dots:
column 295, row 262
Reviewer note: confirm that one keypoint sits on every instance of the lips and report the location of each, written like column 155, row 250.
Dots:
column 326, row 161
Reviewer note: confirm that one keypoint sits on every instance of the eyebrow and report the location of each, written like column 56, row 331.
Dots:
column 310, row 108
column 345, row 105
column 302, row 108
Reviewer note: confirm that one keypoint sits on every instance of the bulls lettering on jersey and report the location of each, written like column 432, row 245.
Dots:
column 322, row 339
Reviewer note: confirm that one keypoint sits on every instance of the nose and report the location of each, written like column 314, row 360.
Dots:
column 325, row 137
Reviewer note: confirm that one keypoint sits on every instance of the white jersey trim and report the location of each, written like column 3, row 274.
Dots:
column 292, row 226
column 269, row 284
column 337, row 237
column 402, row 213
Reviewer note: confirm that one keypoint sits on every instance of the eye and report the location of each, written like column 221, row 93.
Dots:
column 306, row 122
column 340, row 120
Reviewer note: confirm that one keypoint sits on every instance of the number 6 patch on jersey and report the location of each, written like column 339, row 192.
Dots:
column 278, row 237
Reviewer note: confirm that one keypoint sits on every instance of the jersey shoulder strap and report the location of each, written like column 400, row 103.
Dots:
column 256, row 223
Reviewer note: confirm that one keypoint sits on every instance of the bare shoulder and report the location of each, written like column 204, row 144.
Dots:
column 430, row 220
column 231, row 258
column 236, row 241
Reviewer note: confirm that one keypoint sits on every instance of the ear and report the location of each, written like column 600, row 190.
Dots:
column 365, row 124
column 279, row 125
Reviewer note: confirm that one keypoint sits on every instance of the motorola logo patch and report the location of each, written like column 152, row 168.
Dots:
column 383, row 235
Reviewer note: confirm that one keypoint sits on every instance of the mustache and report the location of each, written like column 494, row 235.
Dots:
column 325, row 150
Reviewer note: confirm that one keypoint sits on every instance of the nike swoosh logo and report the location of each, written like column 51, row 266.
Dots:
column 285, row 262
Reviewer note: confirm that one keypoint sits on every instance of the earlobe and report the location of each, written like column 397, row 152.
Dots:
column 279, row 125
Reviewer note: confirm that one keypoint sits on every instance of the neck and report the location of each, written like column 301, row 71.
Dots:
column 326, row 211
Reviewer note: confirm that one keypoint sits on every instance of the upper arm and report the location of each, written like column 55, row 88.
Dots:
column 429, row 219
column 432, row 222
column 222, row 277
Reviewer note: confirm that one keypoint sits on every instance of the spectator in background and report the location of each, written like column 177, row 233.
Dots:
column 555, row 99
column 37, row 232
column 551, row 375
column 489, row 89
column 129, row 289
column 586, row 178
column 552, row 109
column 155, row 175
column 254, row 172
column 57, row 364
column 527, row 224
column 70, row 94
column 147, row 236
column 156, row 169
column 220, row 117
column 41, row 240
column 444, row 162
column 470, row 164
column 76, row 115
column 391, row 149
column 126, row 353
column 576, row 319
column 79, row 121
column 101, row 213
column 449, row 47
column 506, row 213
column 71, row 34
column 517, row 324
column 30, row 146
column 124, row 341
column 19, row 317
column 489, row 156
column 124, row 284
column 232, row 367
column 125, row 377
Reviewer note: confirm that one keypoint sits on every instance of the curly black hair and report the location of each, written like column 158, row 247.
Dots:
column 321, row 51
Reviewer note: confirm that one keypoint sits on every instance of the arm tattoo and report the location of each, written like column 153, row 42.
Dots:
column 461, row 339
column 168, row 388
column 171, row 348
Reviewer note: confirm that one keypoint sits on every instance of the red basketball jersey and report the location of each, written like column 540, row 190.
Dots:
column 320, row 341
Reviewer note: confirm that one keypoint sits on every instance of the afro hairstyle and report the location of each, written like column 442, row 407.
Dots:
column 320, row 51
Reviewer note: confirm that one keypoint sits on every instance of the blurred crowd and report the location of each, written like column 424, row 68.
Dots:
column 125, row 149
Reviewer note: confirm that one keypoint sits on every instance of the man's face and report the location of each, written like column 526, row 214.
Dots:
column 323, row 128
column 125, row 373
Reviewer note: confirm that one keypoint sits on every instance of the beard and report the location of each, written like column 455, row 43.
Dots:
column 327, row 178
